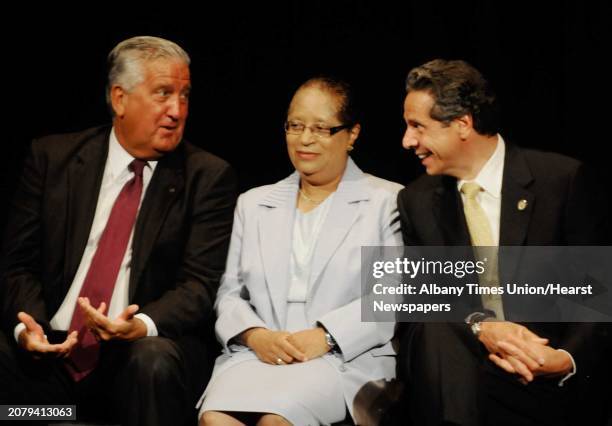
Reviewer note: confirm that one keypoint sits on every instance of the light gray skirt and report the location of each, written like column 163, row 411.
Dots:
column 307, row 393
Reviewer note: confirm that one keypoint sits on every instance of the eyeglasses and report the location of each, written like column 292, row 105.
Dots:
column 294, row 128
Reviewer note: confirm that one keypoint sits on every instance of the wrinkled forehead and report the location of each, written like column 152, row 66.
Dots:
column 172, row 68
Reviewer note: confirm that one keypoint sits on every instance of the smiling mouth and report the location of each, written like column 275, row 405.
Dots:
column 423, row 155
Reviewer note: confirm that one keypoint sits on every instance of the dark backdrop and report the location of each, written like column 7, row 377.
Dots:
column 547, row 62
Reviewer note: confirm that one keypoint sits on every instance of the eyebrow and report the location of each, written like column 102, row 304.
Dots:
column 163, row 85
column 316, row 121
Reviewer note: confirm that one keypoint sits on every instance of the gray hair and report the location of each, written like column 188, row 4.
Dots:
column 126, row 58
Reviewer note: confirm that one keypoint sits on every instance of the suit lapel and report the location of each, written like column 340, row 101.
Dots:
column 275, row 236
column 340, row 218
column 167, row 183
column 517, row 202
column 516, row 207
column 85, row 173
column 448, row 212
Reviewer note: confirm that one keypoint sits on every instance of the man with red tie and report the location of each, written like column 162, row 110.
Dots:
column 115, row 245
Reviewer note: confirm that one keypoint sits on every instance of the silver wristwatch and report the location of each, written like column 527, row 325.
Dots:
column 331, row 342
column 473, row 320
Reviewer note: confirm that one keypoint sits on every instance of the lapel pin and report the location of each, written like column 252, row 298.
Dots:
column 522, row 204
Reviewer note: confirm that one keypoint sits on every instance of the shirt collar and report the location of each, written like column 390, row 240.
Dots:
column 119, row 159
column 490, row 176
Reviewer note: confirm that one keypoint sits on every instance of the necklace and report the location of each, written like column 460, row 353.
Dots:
column 307, row 198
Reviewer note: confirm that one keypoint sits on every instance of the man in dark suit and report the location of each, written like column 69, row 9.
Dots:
column 488, row 370
column 115, row 245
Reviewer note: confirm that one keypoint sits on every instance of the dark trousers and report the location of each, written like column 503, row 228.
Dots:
column 449, row 380
column 151, row 381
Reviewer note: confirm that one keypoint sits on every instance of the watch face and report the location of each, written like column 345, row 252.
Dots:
column 330, row 341
column 475, row 328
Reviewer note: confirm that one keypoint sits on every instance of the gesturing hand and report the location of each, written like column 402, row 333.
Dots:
column 124, row 327
column 33, row 340
column 272, row 347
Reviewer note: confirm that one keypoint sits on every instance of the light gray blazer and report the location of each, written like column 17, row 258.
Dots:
column 253, row 291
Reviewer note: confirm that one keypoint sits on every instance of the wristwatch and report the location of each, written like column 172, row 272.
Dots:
column 474, row 319
column 331, row 342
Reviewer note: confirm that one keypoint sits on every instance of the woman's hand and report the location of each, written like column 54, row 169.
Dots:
column 272, row 347
column 311, row 342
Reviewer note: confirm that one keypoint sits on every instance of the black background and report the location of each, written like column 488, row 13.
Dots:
column 548, row 63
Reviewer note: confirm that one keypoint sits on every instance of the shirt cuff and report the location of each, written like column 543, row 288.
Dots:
column 151, row 328
column 571, row 373
column 18, row 329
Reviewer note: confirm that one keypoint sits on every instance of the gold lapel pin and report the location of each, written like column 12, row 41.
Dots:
column 521, row 205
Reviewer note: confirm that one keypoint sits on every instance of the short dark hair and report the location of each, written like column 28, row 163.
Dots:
column 458, row 89
column 348, row 111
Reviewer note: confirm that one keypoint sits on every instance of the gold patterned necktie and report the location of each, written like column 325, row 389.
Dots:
column 484, row 246
column 478, row 224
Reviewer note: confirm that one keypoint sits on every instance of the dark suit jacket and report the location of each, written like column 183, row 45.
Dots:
column 180, row 240
column 561, row 210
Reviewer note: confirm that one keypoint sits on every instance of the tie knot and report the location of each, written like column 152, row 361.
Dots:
column 470, row 189
column 137, row 167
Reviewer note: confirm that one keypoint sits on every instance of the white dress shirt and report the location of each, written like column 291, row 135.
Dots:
column 116, row 175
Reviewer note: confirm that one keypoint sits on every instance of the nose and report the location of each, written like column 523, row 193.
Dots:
column 307, row 137
column 409, row 140
column 176, row 107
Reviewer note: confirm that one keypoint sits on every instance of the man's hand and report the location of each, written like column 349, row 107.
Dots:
column 555, row 362
column 124, row 327
column 33, row 340
column 311, row 342
column 272, row 346
column 517, row 350
column 527, row 356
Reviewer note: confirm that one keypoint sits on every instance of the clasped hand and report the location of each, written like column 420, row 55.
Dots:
column 517, row 350
column 282, row 347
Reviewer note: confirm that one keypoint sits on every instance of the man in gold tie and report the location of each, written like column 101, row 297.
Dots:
column 480, row 190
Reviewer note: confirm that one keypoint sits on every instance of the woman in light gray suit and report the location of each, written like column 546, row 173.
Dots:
column 289, row 305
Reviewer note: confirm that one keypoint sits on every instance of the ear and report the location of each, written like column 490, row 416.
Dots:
column 118, row 98
column 464, row 125
column 354, row 134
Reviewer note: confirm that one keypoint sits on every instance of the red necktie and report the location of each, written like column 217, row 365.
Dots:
column 102, row 274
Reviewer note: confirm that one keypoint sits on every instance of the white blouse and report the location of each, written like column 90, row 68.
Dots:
column 306, row 229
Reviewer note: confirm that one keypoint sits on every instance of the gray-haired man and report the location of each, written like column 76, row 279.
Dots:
column 116, row 241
